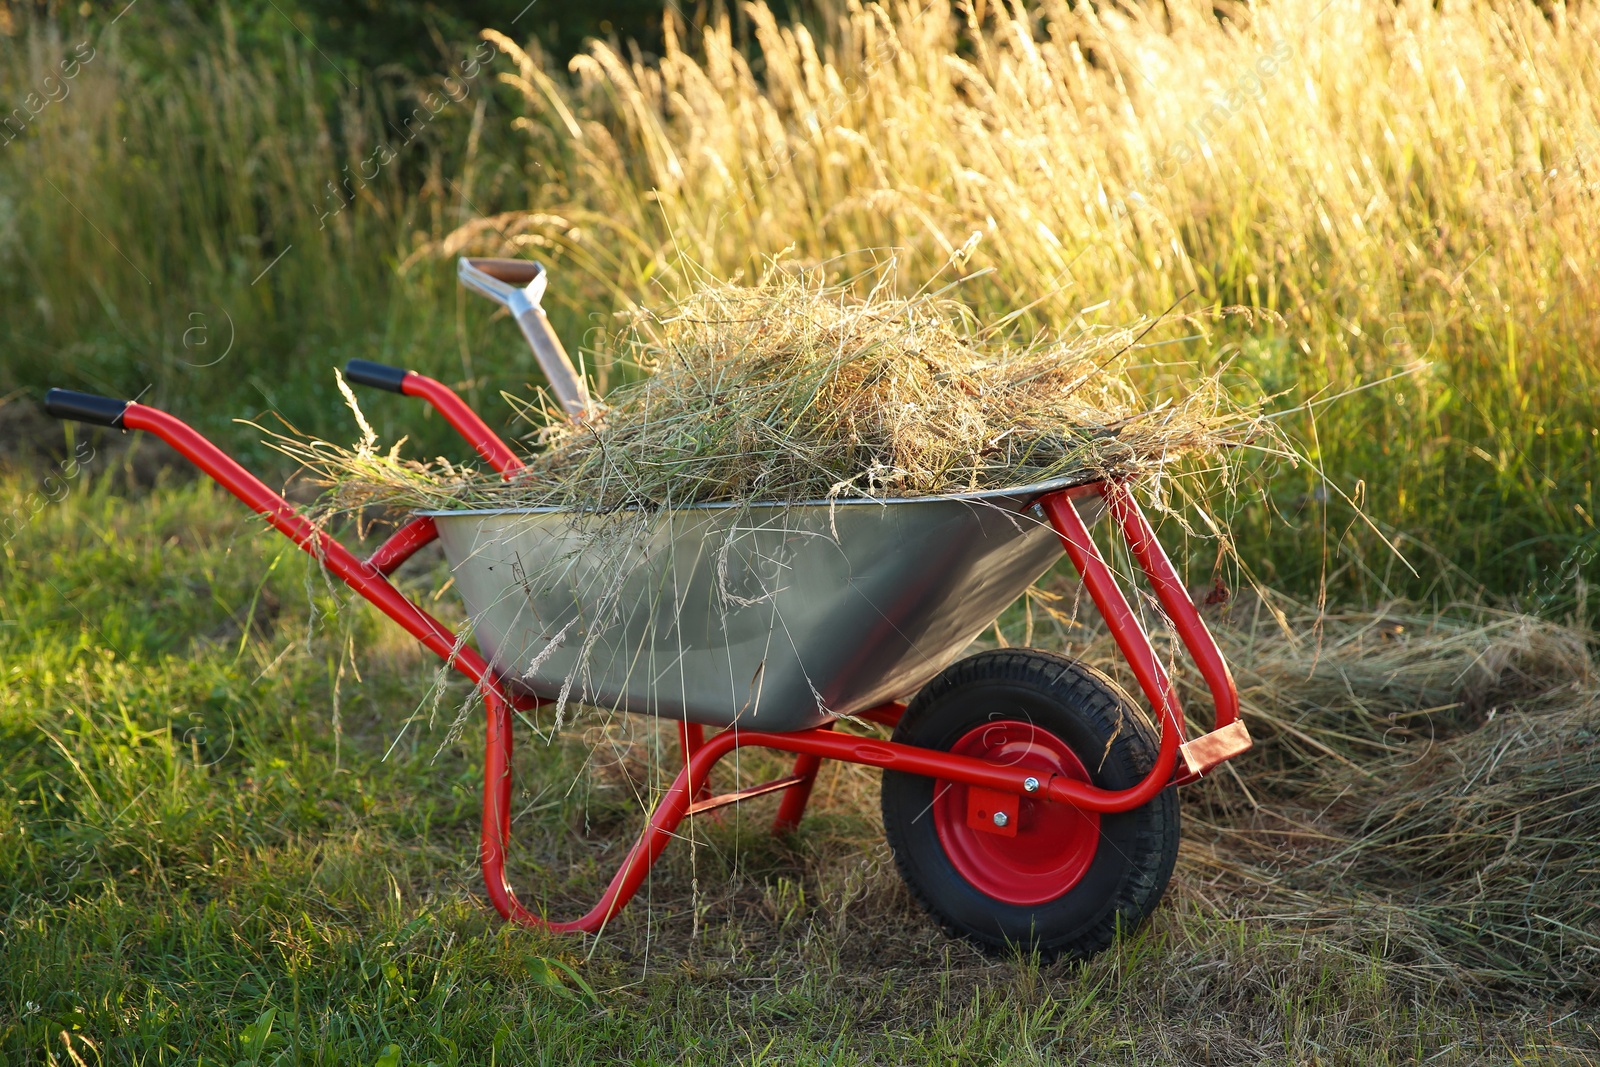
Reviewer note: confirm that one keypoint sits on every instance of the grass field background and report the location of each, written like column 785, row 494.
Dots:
column 234, row 822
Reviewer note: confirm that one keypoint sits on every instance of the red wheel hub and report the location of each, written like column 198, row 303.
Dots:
column 1054, row 843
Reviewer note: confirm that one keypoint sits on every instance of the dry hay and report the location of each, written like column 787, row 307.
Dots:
column 793, row 390
column 1427, row 783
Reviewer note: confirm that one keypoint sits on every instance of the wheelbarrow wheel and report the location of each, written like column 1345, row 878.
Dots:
column 1067, row 880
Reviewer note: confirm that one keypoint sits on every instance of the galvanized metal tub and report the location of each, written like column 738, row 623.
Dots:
column 774, row 617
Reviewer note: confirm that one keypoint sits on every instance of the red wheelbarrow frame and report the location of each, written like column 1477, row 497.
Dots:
column 1178, row 760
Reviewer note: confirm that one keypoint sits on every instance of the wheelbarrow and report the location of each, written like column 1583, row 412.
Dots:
column 1028, row 801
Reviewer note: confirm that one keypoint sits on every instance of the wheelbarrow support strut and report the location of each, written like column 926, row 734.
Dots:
column 1177, row 760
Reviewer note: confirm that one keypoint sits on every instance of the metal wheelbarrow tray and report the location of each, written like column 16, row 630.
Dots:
column 1026, row 798
column 777, row 617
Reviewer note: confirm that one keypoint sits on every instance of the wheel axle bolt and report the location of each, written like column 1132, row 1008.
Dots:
column 1000, row 818
column 1030, row 785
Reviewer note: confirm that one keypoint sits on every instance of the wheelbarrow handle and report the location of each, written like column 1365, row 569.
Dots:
column 376, row 375
column 462, row 418
column 85, row 407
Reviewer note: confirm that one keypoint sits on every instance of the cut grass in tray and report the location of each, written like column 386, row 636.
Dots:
column 794, row 390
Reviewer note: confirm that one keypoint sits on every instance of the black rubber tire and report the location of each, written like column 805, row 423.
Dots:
column 1108, row 732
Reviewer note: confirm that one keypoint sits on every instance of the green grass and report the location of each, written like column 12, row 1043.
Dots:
column 198, row 865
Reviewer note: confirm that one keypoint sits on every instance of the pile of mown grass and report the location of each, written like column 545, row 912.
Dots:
column 1462, row 781
column 794, row 390
column 1426, row 784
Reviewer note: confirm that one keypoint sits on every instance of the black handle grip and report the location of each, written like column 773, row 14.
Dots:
column 85, row 407
column 377, row 375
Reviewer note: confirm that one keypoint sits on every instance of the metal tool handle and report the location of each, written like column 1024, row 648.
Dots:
column 85, row 407
column 519, row 285
column 564, row 380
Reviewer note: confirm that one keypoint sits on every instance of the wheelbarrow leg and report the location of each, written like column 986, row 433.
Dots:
column 496, row 838
column 793, row 806
column 691, row 736
column 657, row 834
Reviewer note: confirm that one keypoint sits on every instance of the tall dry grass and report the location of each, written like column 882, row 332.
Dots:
column 1411, row 186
